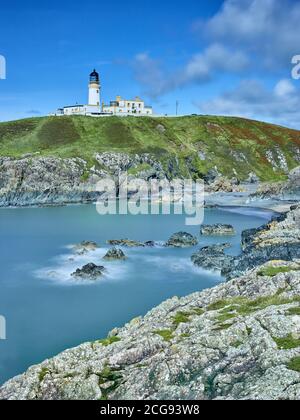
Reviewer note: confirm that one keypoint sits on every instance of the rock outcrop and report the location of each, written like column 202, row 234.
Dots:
column 89, row 272
column 237, row 341
column 35, row 180
column 114, row 254
column 213, row 258
column 277, row 240
column 85, row 247
column 281, row 190
column 128, row 243
column 217, row 230
column 182, row 240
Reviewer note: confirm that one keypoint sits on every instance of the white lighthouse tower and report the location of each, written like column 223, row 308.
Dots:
column 94, row 89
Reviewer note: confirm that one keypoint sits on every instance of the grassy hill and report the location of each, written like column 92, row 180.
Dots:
column 202, row 142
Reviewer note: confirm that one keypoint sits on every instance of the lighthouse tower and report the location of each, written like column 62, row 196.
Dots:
column 94, row 89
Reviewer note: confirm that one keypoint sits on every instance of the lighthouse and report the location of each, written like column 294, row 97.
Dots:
column 94, row 89
column 120, row 107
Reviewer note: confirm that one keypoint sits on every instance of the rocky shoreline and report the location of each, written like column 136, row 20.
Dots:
column 44, row 181
column 239, row 340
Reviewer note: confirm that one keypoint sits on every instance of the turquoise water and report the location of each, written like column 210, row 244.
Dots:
column 47, row 312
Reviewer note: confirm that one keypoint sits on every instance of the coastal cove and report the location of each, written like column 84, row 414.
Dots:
column 47, row 311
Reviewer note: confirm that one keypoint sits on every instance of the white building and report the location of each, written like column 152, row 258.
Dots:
column 120, row 107
column 125, row 107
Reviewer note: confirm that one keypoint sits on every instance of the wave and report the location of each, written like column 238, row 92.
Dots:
column 62, row 267
column 250, row 211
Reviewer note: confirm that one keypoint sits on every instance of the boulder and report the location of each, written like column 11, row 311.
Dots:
column 115, row 254
column 182, row 240
column 89, row 272
column 217, row 230
column 252, row 178
column 126, row 243
column 223, row 184
column 85, row 246
column 213, row 258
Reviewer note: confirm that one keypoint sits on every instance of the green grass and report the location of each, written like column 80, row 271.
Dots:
column 243, row 306
column 226, row 316
column 181, row 318
column 294, row 364
column 231, row 144
column 167, row 335
column 198, row 311
column 43, row 373
column 223, row 327
column 237, row 344
column 108, row 341
column 274, row 271
column 185, row 335
column 112, row 376
column 140, row 168
column 294, row 311
column 287, row 343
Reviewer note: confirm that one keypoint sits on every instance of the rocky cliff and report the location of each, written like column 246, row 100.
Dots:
column 277, row 240
column 35, row 180
column 57, row 160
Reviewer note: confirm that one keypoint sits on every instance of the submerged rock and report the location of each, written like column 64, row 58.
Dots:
column 115, row 254
column 85, row 246
column 217, row 230
column 126, row 242
column 89, row 272
column 150, row 244
column 182, row 240
column 213, row 258
column 236, row 341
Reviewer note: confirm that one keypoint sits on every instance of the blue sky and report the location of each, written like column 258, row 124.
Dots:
column 229, row 57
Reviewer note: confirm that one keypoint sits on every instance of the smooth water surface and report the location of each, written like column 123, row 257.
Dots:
column 47, row 312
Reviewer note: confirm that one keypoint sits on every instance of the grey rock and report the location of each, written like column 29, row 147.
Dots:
column 277, row 240
column 160, row 128
column 217, row 230
column 128, row 243
column 223, row 184
column 252, row 178
column 85, row 247
column 89, row 272
column 115, row 254
column 213, row 258
column 182, row 240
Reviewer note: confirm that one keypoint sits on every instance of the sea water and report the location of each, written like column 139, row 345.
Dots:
column 47, row 311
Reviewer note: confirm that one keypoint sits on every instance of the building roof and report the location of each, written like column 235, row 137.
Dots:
column 74, row 106
column 94, row 76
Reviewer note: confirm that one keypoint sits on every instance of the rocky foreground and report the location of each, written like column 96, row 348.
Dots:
column 240, row 340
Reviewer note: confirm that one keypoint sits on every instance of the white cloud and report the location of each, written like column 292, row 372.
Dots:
column 284, row 88
column 267, row 27
column 251, row 99
column 201, row 68
column 214, row 59
column 149, row 74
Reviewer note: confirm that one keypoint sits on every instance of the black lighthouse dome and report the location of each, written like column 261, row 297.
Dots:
column 94, row 77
